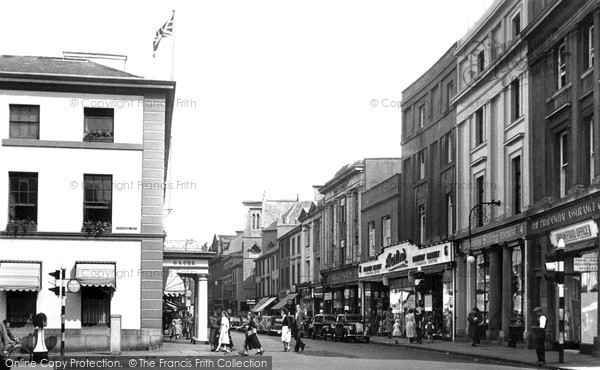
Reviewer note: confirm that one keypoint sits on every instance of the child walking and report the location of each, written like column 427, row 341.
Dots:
column 397, row 331
column 430, row 330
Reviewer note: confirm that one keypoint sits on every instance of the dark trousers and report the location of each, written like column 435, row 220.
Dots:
column 419, row 337
column 299, row 343
column 540, row 345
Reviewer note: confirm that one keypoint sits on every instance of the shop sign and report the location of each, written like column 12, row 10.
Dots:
column 341, row 276
column 565, row 215
column 305, row 293
column 575, row 233
column 495, row 237
column 327, row 296
column 406, row 256
column 251, row 301
column 585, row 264
column 318, row 292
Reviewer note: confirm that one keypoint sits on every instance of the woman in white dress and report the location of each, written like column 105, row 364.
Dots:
column 224, row 335
column 410, row 326
column 286, row 329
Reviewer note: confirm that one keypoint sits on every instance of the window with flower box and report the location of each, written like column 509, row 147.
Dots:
column 98, row 124
column 97, row 204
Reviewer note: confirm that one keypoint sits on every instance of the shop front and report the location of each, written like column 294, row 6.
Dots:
column 318, row 302
column 404, row 277
column 492, row 278
column 343, row 290
column 573, row 227
column 305, row 298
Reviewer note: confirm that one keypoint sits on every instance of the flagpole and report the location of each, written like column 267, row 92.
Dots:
column 173, row 51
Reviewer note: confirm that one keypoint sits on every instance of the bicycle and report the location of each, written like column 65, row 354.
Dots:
column 17, row 352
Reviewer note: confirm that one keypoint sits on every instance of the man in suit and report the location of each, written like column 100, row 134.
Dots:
column 299, row 327
column 540, row 335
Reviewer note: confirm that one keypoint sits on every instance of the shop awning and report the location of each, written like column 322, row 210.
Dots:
column 23, row 276
column 263, row 304
column 260, row 302
column 174, row 287
column 97, row 274
column 283, row 302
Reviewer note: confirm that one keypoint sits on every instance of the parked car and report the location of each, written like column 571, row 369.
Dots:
column 321, row 326
column 306, row 325
column 276, row 326
column 266, row 324
column 349, row 326
column 235, row 323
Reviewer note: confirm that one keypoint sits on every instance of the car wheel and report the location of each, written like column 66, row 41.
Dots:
column 345, row 336
column 368, row 340
column 313, row 335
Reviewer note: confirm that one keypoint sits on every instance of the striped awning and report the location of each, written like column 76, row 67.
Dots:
column 96, row 274
column 23, row 276
column 283, row 302
column 262, row 304
column 174, row 287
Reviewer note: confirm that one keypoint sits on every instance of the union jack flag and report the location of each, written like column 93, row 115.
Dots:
column 164, row 31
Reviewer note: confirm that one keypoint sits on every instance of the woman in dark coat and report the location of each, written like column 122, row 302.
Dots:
column 252, row 341
column 474, row 321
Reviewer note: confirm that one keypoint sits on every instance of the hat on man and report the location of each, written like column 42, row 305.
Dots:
column 537, row 309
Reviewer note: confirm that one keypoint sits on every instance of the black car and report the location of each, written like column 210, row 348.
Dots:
column 349, row 326
column 321, row 326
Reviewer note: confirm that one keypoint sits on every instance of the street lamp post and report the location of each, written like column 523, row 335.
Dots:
column 482, row 216
column 560, row 281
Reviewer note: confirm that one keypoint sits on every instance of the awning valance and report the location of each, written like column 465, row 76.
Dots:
column 23, row 276
column 96, row 274
column 263, row 304
column 283, row 302
column 174, row 287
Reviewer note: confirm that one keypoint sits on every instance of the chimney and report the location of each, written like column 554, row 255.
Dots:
column 115, row 61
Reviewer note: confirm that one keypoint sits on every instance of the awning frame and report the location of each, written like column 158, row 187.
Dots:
column 283, row 302
column 264, row 304
column 106, row 285
column 35, row 288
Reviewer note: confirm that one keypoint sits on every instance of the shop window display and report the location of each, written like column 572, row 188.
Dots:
column 589, row 303
column 517, row 287
column 483, row 285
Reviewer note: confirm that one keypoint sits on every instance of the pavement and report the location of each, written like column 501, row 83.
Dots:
column 517, row 356
column 488, row 352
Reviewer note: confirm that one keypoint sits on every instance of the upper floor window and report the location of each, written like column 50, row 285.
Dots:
column 386, row 234
column 23, row 196
column 422, row 171
column 563, row 154
column 449, row 94
column 480, row 198
column 479, row 125
column 449, row 214
column 481, row 61
column 24, row 122
column 516, row 174
column 588, row 45
column 422, row 116
column 561, row 62
column 422, row 223
column 342, row 211
column 515, row 97
column 516, row 25
column 447, row 148
column 371, row 238
column 97, row 203
column 591, row 149
column 98, row 124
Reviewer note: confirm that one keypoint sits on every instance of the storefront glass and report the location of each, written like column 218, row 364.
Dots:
column 517, row 287
column 589, row 303
column 483, row 281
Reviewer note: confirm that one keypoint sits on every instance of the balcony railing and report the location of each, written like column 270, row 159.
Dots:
column 559, row 99
column 189, row 245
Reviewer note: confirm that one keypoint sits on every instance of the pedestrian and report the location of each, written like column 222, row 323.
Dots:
column 185, row 333
column 430, row 329
column 286, row 329
column 5, row 343
column 190, row 323
column 224, row 333
column 397, row 331
column 176, row 328
column 474, row 321
column 213, row 340
column 299, row 328
column 251, row 341
column 389, row 322
column 539, row 331
column 410, row 325
column 419, row 324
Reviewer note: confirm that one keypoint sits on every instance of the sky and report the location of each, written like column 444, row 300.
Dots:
column 273, row 97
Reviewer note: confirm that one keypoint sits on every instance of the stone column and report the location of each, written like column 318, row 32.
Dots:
column 201, row 308
column 596, row 97
column 495, row 298
column 575, row 171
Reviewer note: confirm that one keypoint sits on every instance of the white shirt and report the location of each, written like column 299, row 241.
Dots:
column 542, row 322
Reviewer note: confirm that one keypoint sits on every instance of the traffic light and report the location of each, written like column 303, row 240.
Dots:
column 57, row 285
column 554, row 268
column 420, row 281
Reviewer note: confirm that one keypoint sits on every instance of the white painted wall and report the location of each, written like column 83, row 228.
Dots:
column 54, row 254
column 61, row 170
column 61, row 114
